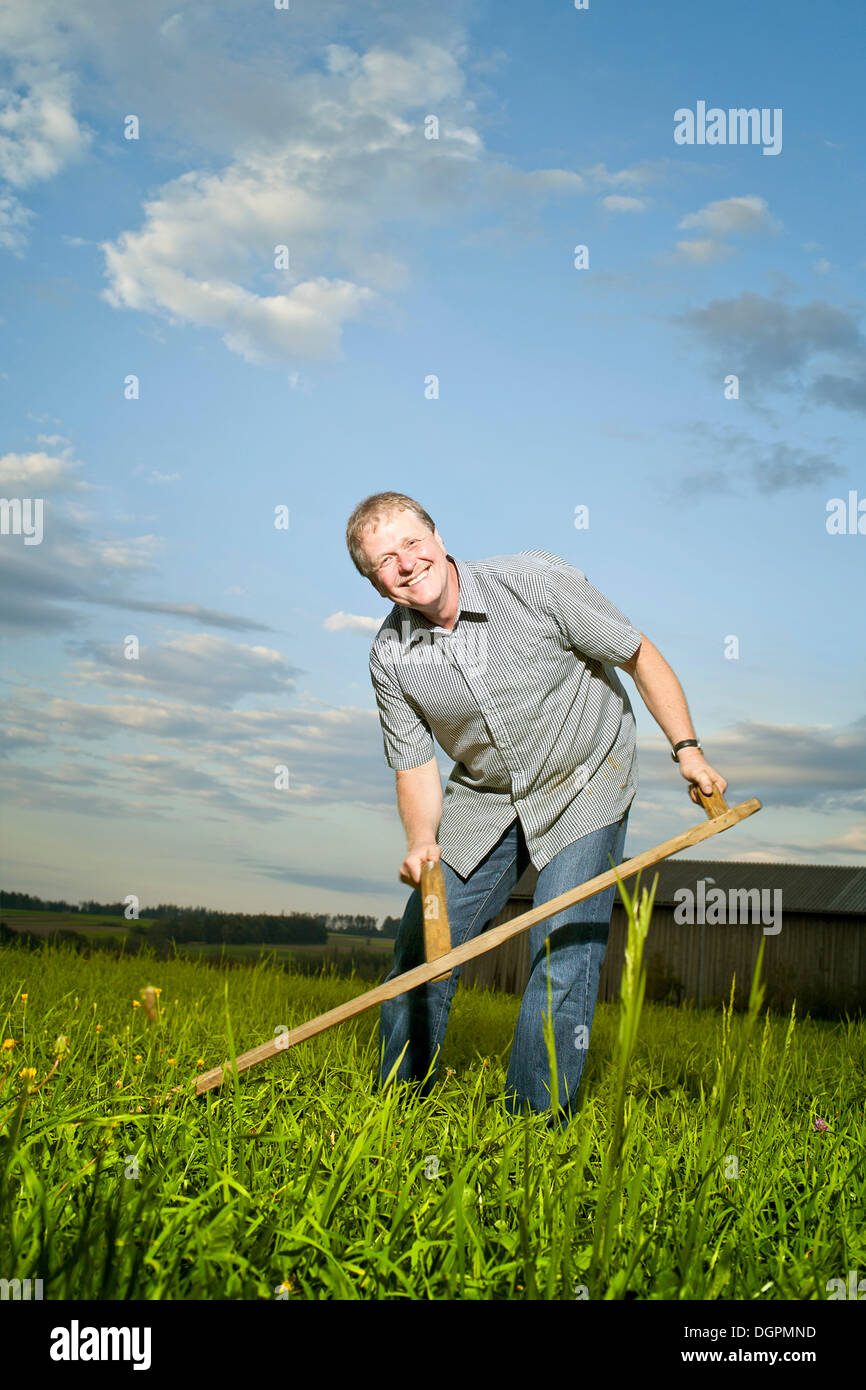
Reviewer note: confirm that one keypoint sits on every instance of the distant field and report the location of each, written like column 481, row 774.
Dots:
column 104, row 924
column 85, row 923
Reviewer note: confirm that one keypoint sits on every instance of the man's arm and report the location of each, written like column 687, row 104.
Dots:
column 408, row 740
column 419, row 801
column 663, row 696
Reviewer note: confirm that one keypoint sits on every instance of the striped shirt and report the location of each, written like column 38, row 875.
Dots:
column 522, row 694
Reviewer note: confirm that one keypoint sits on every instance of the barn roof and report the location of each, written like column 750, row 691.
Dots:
column 818, row 888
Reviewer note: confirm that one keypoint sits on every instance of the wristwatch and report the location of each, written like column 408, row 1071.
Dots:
column 685, row 743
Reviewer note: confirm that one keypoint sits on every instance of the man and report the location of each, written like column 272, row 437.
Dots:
column 509, row 662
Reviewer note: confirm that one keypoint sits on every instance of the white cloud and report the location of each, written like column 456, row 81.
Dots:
column 14, row 222
column 353, row 157
column 134, row 553
column 732, row 216
column 191, row 665
column 39, row 134
column 852, row 842
column 725, row 217
column 39, row 472
column 517, row 183
column 618, row 203
column 298, row 382
column 649, row 171
column 207, row 752
column 352, row 160
column 352, row 622
column 701, row 252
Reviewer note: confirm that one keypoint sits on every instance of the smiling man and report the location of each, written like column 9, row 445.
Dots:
column 509, row 664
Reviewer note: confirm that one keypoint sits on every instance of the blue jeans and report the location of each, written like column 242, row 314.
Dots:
column 578, row 938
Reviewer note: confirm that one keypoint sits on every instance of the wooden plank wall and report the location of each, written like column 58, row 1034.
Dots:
column 819, row 960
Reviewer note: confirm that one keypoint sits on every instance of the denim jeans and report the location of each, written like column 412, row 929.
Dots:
column 416, row 1021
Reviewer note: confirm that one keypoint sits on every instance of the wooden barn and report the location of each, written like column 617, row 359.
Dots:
column 709, row 918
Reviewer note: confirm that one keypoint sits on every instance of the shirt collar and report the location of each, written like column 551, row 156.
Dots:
column 469, row 600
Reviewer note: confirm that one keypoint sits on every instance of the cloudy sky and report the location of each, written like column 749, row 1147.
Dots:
column 297, row 380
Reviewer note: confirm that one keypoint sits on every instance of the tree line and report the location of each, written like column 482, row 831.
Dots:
column 210, row 925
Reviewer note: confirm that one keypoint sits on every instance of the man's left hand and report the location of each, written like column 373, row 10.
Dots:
column 695, row 768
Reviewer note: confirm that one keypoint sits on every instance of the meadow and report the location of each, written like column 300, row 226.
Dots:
column 714, row 1154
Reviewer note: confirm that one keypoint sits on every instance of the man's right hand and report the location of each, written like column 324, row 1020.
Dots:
column 410, row 869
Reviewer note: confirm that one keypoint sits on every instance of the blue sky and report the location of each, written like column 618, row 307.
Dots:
column 304, row 388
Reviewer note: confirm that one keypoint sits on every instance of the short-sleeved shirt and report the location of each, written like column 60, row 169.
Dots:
column 523, row 695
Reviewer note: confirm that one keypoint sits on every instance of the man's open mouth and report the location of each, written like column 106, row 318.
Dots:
column 418, row 577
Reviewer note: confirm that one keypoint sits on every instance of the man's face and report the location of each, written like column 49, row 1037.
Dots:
column 408, row 563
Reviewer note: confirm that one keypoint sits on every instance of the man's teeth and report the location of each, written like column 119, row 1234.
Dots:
column 418, row 578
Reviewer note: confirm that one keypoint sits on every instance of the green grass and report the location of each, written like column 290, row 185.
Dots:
column 302, row 1181
column 250, row 950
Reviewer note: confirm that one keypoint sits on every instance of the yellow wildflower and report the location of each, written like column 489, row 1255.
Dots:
column 8, row 1044
column 172, row 1061
column 135, row 1004
column 29, row 1072
column 200, row 1062
column 24, row 998
column 99, row 1027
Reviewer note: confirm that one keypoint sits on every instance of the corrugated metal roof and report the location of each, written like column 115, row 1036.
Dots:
column 833, row 888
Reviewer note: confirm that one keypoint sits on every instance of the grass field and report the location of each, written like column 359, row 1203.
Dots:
column 281, row 951
column 692, row 1170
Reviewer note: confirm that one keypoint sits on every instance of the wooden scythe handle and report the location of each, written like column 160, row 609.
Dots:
column 434, row 905
column 714, row 804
